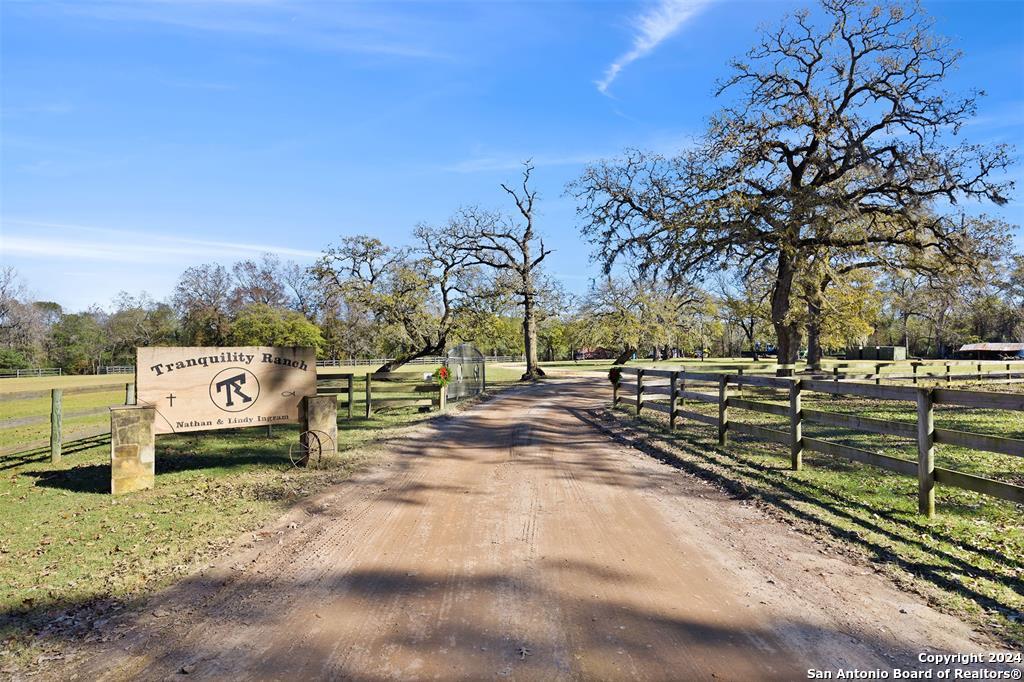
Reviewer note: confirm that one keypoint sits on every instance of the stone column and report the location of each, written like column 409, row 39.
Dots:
column 320, row 413
column 132, row 448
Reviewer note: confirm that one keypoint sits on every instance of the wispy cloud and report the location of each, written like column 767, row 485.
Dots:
column 63, row 241
column 653, row 27
column 363, row 28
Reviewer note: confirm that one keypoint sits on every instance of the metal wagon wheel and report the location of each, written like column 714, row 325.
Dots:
column 314, row 450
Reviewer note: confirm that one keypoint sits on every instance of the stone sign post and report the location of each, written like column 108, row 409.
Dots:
column 132, row 448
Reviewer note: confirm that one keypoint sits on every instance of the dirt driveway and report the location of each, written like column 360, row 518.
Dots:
column 516, row 540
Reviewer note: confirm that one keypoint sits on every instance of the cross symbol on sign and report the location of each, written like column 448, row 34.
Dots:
column 171, row 398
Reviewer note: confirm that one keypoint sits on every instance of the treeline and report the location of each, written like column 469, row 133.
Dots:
column 266, row 301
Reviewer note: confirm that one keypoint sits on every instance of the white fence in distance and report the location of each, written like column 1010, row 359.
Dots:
column 34, row 372
column 426, row 360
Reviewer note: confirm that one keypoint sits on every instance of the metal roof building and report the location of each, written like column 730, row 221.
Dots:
column 992, row 351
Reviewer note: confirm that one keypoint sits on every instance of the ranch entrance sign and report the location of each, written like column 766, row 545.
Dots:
column 202, row 389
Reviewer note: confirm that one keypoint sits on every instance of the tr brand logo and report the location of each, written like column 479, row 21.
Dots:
column 226, row 389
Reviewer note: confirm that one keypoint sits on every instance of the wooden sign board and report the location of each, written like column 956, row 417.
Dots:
column 203, row 389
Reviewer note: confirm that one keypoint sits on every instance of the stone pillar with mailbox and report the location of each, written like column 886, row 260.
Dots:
column 132, row 448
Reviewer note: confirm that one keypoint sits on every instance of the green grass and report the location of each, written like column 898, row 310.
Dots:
column 969, row 559
column 66, row 543
column 46, row 383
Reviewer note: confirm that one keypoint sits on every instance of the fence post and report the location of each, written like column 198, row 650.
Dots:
column 980, row 377
column 682, row 387
column 1008, row 375
column 369, row 406
column 949, row 379
column 639, row 391
column 129, row 394
column 796, row 435
column 723, row 408
column 672, row 401
column 913, row 368
column 351, row 394
column 442, row 398
column 835, row 374
column 925, row 453
column 739, row 374
column 56, row 398
column 615, row 387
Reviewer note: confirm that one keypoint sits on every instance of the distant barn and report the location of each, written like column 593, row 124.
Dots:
column 991, row 351
column 599, row 353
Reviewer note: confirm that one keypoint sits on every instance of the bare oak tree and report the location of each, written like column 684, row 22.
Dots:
column 838, row 137
column 511, row 245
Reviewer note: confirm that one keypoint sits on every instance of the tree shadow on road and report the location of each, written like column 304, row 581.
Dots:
column 843, row 518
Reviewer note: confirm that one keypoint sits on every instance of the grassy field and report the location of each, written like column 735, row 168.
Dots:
column 969, row 559
column 46, row 383
column 66, row 544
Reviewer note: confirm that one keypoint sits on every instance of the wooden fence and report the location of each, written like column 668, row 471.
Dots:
column 33, row 372
column 57, row 415
column 384, row 390
column 670, row 398
column 380, row 391
column 997, row 372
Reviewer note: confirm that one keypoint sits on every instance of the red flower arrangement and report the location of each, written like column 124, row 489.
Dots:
column 441, row 375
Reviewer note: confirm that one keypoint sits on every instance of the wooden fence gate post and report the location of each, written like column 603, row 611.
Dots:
column 369, row 390
column 56, row 398
column 925, row 453
column 796, row 436
column 723, row 409
column 129, row 394
column 351, row 394
column 639, row 391
column 672, row 397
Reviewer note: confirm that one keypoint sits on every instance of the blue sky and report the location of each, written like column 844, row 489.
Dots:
column 139, row 138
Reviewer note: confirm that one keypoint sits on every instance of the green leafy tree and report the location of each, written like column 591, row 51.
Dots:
column 259, row 324
column 79, row 342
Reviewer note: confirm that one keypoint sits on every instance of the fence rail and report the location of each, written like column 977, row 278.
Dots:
column 923, row 432
column 117, row 369
column 34, row 372
column 426, row 360
column 383, row 390
column 57, row 415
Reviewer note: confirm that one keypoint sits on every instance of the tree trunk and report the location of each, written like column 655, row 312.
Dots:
column 814, row 331
column 787, row 332
column 431, row 349
column 624, row 356
column 533, row 370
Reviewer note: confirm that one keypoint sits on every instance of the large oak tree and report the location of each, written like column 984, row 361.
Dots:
column 837, row 136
